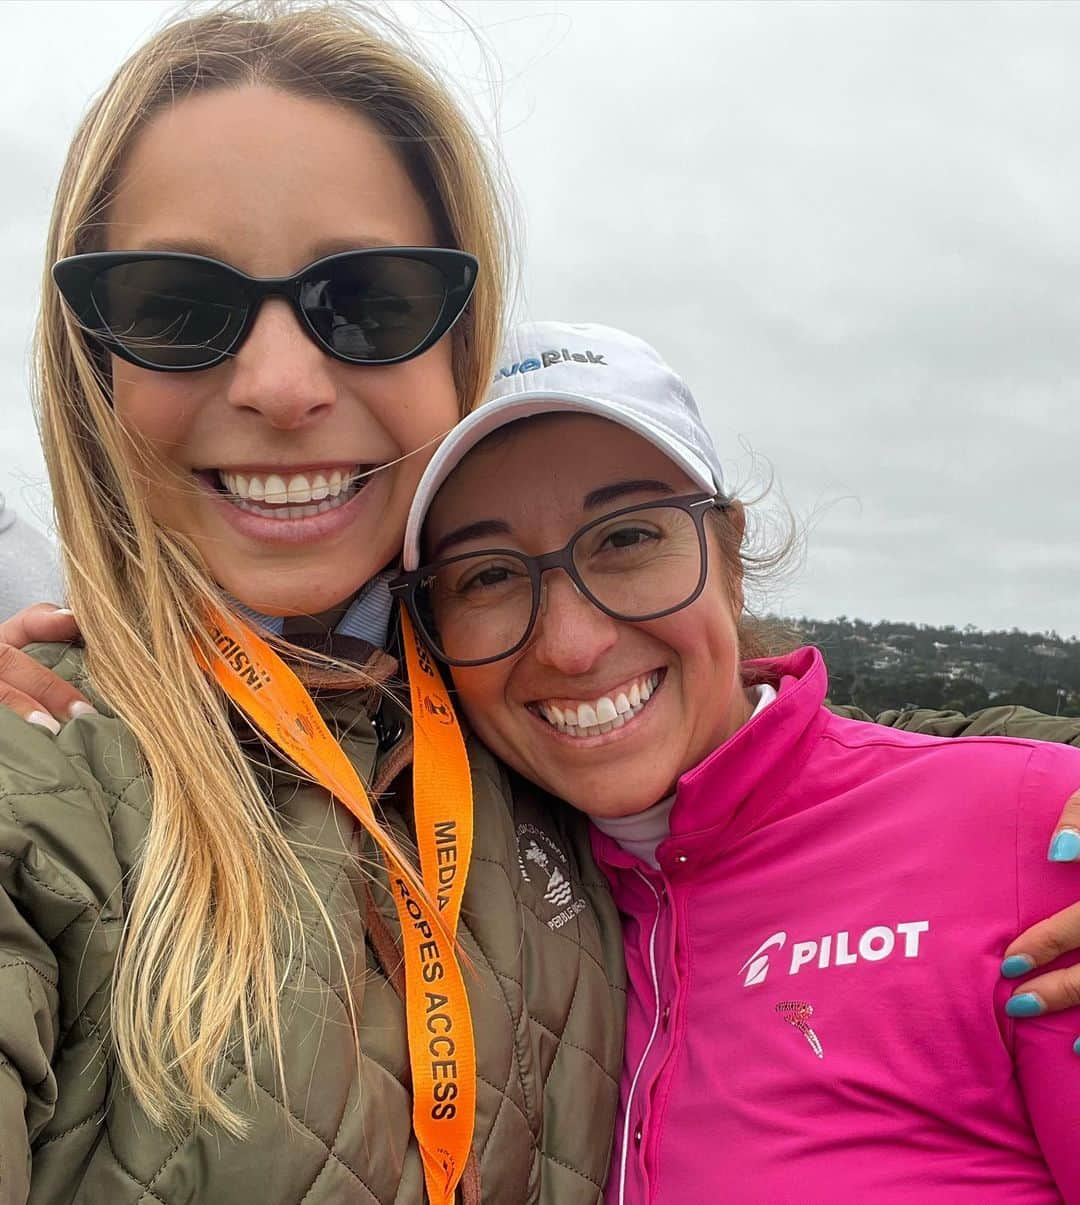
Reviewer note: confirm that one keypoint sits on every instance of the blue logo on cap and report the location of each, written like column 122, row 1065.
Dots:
column 545, row 360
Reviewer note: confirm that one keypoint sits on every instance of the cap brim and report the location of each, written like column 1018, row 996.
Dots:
column 490, row 416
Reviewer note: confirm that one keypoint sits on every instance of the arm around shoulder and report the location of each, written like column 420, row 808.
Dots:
column 1019, row 722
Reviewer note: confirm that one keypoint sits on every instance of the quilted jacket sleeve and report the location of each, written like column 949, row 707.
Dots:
column 29, row 997
column 991, row 721
column 52, row 819
column 29, row 1009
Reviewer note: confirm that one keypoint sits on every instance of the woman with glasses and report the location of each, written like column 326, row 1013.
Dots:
column 814, row 908
column 275, row 284
column 276, row 281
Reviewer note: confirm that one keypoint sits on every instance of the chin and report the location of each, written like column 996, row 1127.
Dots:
column 272, row 595
column 606, row 803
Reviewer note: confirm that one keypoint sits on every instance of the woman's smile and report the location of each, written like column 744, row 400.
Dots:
column 290, row 505
column 289, row 470
column 602, row 712
column 587, row 721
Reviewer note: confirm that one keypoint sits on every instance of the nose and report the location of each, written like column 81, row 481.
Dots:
column 571, row 633
column 280, row 373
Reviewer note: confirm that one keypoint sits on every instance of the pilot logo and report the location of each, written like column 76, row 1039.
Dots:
column 797, row 1014
column 757, row 965
column 838, row 949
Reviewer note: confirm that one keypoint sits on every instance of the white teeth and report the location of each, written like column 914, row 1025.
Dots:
column 288, row 512
column 275, row 489
column 604, row 714
column 300, row 493
column 299, row 490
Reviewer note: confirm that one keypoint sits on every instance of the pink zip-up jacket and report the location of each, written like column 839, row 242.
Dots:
column 816, row 1011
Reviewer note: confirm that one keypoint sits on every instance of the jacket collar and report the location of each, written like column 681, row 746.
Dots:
column 743, row 782
column 367, row 620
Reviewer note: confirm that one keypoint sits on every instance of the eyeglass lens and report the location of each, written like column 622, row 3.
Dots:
column 635, row 565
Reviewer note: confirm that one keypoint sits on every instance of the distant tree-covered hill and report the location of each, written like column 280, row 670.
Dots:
column 881, row 665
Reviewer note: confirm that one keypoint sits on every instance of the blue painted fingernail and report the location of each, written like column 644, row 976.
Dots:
column 1026, row 1004
column 1076, row 1046
column 1065, row 847
column 1016, row 965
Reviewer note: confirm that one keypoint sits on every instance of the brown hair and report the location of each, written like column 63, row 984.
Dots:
column 754, row 558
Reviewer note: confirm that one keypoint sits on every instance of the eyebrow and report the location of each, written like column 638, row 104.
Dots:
column 337, row 245
column 620, row 489
column 595, row 498
column 206, row 248
column 471, row 531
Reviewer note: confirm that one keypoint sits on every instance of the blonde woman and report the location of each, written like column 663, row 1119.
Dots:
column 261, row 317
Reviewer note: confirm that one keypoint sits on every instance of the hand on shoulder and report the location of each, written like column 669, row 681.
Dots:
column 28, row 687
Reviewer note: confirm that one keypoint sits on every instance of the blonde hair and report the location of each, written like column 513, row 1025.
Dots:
column 214, row 915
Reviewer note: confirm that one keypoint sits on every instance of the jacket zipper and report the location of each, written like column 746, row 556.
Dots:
column 648, row 1044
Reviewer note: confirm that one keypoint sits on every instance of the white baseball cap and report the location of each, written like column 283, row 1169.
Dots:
column 562, row 367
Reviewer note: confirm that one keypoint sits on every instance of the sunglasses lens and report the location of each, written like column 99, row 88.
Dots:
column 169, row 313
column 374, row 307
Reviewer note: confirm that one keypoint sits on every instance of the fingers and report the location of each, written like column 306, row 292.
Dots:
column 41, row 622
column 1037, row 946
column 36, row 693
column 1065, row 845
column 1050, row 993
column 28, row 708
column 1049, row 939
column 1043, row 942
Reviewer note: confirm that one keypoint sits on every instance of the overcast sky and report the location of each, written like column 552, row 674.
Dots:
column 854, row 228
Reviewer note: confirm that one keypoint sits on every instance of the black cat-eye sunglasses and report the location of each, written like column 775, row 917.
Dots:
column 174, row 312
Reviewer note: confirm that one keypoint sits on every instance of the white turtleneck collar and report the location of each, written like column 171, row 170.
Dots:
column 641, row 833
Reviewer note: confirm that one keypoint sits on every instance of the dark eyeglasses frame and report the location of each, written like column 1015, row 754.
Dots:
column 75, row 278
column 405, row 585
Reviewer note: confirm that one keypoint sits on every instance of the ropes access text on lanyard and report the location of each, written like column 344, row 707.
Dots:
column 442, row 1053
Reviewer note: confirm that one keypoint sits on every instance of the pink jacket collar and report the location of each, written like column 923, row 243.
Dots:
column 743, row 782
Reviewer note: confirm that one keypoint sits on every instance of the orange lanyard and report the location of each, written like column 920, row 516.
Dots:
column 442, row 1052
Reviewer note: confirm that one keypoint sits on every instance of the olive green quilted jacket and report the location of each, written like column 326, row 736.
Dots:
column 1020, row 722
column 546, row 992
